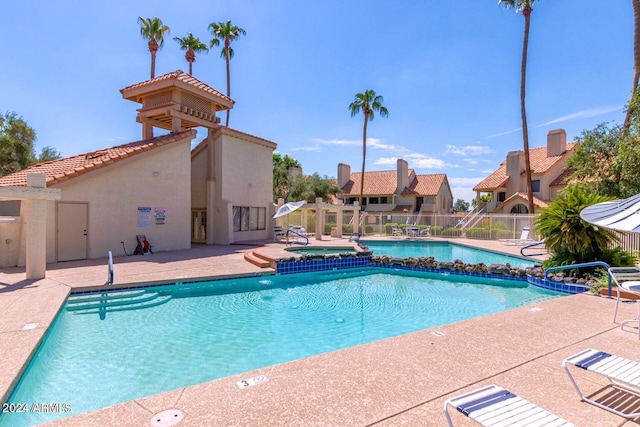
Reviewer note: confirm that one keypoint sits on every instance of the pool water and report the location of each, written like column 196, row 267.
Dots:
column 445, row 251
column 94, row 357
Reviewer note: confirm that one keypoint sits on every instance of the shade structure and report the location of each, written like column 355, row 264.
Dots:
column 617, row 215
column 287, row 208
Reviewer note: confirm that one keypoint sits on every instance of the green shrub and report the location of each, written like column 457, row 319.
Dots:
column 451, row 232
column 436, row 230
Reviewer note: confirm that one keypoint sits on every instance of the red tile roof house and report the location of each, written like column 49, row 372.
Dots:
column 217, row 193
column 399, row 192
column 508, row 184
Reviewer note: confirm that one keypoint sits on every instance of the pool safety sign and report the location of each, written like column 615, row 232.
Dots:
column 252, row 381
column 159, row 214
column 144, row 217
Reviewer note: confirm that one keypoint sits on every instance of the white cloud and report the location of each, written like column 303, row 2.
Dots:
column 464, row 181
column 585, row 114
column 337, row 141
column 469, row 150
column 504, row 133
column 309, row 148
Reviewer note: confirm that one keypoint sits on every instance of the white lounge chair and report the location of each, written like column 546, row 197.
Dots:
column 622, row 373
column 495, row 406
column 627, row 279
column 523, row 240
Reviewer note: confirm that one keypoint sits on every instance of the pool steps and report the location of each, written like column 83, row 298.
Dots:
column 115, row 301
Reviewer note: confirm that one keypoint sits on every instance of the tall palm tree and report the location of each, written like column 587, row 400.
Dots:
column 367, row 102
column 153, row 29
column 526, row 7
column 636, row 62
column 225, row 31
column 192, row 45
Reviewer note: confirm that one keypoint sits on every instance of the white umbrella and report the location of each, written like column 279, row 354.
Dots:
column 617, row 215
column 287, row 208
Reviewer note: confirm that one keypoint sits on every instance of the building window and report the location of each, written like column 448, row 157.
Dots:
column 535, row 185
column 502, row 196
column 519, row 209
column 373, row 200
column 352, row 200
column 384, row 200
column 246, row 218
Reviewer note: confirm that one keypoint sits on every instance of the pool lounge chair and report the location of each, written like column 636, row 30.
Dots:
column 523, row 240
column 622, row 373
column 495, row 406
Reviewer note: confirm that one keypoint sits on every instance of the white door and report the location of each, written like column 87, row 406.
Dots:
column 72, row 231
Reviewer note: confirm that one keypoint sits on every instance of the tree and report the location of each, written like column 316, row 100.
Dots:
column 367, row 102
column 485, row 198
column 153, row 29
column 572, row 239
column 17, row 140
column 526, row 7
column 636, row 62
column 310, row 187
column 226, row 32
column 461, row 206
column 192, row 45
column 281, row 177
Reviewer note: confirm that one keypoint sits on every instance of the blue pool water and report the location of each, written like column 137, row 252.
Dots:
column 94, row 357
column 445, row 251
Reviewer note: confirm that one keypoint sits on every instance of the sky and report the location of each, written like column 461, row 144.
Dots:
column 449, row 73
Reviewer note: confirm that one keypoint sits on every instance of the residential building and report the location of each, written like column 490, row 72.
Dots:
column 508, row 184
column 399, row 191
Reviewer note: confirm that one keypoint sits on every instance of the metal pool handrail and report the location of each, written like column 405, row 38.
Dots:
column 531, row 245
column 584, row 264
column 110, row 266
column 297, row 234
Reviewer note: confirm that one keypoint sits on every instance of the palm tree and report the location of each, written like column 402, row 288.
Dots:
column 225, row 31
column 526, row 7
column 636, row 62
column 367, row 102
column 153, row 29
column 192, row 45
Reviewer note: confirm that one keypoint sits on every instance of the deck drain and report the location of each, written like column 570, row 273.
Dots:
column 167, row 418
column 29, row 326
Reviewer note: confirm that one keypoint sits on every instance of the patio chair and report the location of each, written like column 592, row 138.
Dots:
column 278, row 234
column 627, row 279
column 495, row 406
column 396, row 231
column 523, row 240
column 622, row 373
column 425, row 231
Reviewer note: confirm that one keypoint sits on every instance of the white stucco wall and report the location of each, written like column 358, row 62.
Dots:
column 245, row 169
column 159, row 178
column 199, row 180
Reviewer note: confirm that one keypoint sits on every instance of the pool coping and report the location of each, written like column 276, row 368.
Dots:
column 341, row 392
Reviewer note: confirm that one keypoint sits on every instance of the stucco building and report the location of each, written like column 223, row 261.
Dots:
column 217, row 193
column 398, row 191
column 508, row 184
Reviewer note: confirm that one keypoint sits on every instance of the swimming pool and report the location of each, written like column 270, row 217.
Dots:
column 105, row 353
column 445, row 251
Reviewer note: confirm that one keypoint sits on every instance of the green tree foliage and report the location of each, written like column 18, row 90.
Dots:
column 281, row 177
column 607, row 160
column 191, row 45
column 573, row 240
column 369, row 103
column 48, row 154
column 461, row 206
column 485, row 198
column 310, row 187
column 153, row 30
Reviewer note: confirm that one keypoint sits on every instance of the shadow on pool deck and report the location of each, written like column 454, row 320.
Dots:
column 400, row 381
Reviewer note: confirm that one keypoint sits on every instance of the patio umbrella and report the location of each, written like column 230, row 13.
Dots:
column 287, row 208
column 617, row 215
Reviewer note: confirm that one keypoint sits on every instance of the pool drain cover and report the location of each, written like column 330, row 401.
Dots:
column 167, row 418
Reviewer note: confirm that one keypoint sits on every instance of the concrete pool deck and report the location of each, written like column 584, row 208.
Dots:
column 399, row 381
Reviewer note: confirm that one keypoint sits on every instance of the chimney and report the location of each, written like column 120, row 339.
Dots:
column 556, row 142
column 403, row 175
column 294, row 171
column 515, row 164
column 344, row 174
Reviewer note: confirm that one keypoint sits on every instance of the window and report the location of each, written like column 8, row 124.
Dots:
column 352, row 200
column 373, row 200
column 246, row 218
column 535, row 185
column 384, row 200
column 519, row 209
column 502, row 196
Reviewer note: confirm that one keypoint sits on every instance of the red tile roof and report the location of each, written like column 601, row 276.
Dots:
column 177, row 76
column 384, row 183
column 57, row 171
column 537, row 202
column 540, row 163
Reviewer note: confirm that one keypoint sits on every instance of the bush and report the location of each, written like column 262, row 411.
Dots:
column 451, row 232
column 436, row 230
column 387, row 227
